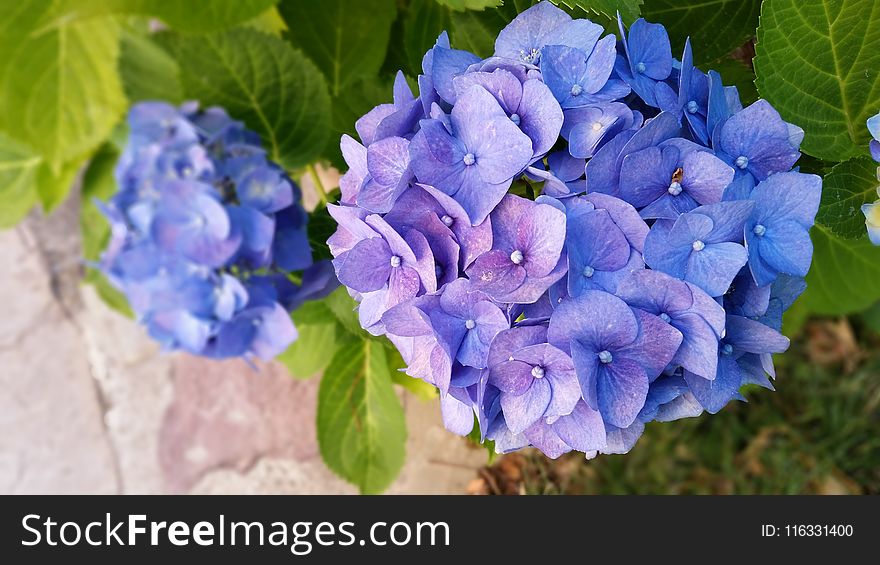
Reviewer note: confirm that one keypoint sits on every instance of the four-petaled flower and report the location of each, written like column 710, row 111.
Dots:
column 703, row 246
column 617, row 351
column 526, row 256
column 476, row 161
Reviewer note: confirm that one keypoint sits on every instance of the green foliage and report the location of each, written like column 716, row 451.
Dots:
column 182, row 15
column 302, row 74
column 845, row 276
column 716, row 27
column 53, row 184
column 476, row 31
column 818, row 64
column 361, row 426
column 99, row 185
column 19, row 166
column 318, row 341
column 263, row 81
column 321, row 227
column 347, row 40
column 871, row 318
column 849, row 185
column 61, row 93
column 343, row 307
column 461, row 5
column 148, row 72
column 269, row 22
column 629, row 9
column 424, row 21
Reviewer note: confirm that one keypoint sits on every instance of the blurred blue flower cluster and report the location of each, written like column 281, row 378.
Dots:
column 645, row 282
column 208, row 236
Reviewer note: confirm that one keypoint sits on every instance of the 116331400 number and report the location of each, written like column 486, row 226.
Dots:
column 807, row 530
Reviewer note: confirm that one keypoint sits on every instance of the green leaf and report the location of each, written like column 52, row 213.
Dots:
column 18, row 171
column 819, row 65
column 425, row 21
column 845, row 276
column 476, row 31
column 344, row 308
column 317, row 343
column 476, row 439
column 53, row 185
column 182, row 15
column 361, row 425
column 321, row 227
column 871, row 317
column 849, row 185
column 812, row 165
column 61, row 93
column 98, row 184
column 263, row 81
column 269, row 22
column 716, row 27
column 461, row 5
column 347, row 40
column 148, row 72
column 629, row 9
column 108, row 293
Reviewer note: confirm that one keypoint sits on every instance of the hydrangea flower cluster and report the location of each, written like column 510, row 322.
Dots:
column 206, row 234
column 645, row 282
column 872, row 211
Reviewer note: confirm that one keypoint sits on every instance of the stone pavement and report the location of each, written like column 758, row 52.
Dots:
column 90, row 405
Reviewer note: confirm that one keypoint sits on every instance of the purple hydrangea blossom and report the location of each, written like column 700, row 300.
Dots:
column 604, row 169
column 675, row 177
column 461, row 323
column 580, row 78
column 527, row 102
column 544, row 24
column 587, row 128
column 617, row 351
column 477, row 160
column 536, row 382
column 206, row 232
column 598, row 251
column 743, row 336
column 526, row 255
column 686, row 308
column 598, row 237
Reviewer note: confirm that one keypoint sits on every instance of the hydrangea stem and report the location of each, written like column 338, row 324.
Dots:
column 319, row 186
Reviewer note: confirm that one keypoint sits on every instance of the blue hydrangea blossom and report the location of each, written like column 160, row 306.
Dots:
column 208, row 237
column 575, row 237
